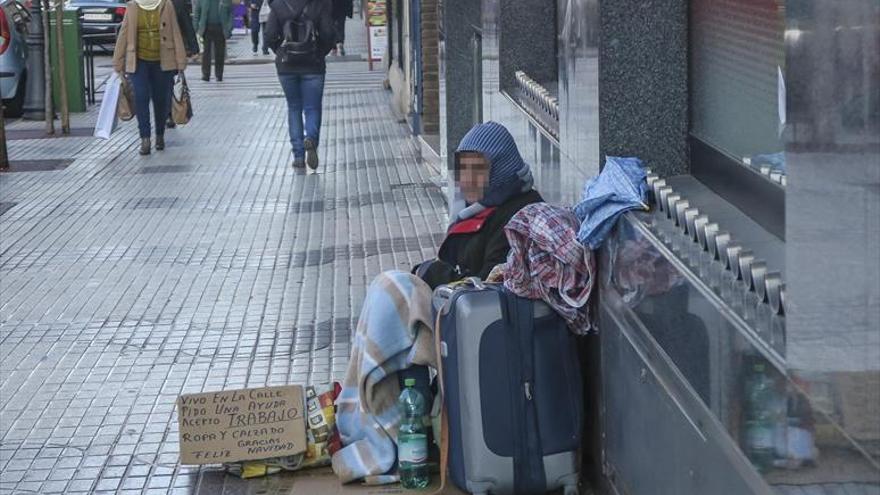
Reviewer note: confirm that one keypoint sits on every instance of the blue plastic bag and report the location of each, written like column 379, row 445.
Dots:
column 620, row 187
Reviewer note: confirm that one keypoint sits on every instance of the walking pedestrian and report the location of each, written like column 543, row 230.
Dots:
column 301, row 33
column 213, row 21
column 264, row 18
column 150, row 50
column 255, row 23
column 183, row 9
column 341, row 10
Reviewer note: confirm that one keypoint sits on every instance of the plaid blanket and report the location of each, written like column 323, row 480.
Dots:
column 547, row 262
column 394, row 331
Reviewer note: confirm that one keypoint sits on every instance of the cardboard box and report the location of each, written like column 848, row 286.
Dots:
column 241, row 425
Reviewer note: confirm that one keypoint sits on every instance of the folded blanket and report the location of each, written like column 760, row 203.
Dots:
column 394, row 332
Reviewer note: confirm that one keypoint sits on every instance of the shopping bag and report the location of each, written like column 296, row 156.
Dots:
column 106, row 123
column 125, row 109
column 264, row 11
column 181, row 106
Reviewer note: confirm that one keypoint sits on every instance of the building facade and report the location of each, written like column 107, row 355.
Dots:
column 739, row 319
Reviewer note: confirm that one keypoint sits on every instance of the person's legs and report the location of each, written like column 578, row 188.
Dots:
column 161, row 83
column 221, row 53
column 340, row 30
column 255, row 32
column 140, row 80
column 291, row 84
column 265, row 47
column 169, row 123
column 312, row 95
column 206, row 55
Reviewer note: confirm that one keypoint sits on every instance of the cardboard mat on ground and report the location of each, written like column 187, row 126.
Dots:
column 322, row 481
column 241, row 425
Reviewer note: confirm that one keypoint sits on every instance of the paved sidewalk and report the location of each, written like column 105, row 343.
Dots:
column 126, row 281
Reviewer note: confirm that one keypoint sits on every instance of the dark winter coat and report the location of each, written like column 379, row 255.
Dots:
column 183, row 9
column 475, row 245
column 321, row 14
column 343, row 8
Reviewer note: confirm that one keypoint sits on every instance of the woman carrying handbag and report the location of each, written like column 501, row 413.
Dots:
column 150, row 50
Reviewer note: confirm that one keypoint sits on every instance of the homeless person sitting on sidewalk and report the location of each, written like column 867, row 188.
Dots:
column 496, row 183
column 395, row 328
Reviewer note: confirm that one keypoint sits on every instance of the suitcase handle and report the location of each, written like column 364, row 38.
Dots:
column 444, row 293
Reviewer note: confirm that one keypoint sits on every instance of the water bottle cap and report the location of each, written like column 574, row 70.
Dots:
column 410, row 382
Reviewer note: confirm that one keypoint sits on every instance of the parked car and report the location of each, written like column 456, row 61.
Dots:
column 14, row 19
column 100, row 19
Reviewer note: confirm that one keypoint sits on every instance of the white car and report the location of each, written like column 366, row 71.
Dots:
column 14, row 19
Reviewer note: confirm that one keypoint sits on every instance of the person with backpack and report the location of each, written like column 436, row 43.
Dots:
column 302, row 33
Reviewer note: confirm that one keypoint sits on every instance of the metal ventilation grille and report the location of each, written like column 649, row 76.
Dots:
column 540, row 103
column 752, row 288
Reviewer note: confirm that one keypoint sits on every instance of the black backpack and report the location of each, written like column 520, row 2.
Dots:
column 300, row 41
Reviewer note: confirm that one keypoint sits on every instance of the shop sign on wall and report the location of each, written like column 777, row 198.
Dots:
column 377, row 23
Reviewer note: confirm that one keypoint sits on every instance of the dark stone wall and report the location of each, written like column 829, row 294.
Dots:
column 643, row 82
column 527, row 42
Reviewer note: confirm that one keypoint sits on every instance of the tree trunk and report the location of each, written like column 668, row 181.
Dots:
column 47, row 69
column 4, row 158
column 62, row 79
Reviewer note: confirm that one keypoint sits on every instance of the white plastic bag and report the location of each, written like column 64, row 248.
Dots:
column 106, row 123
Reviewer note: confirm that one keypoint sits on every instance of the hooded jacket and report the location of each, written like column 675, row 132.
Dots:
column 476, row 242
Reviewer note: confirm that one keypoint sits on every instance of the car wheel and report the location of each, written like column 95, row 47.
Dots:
column 14, row 107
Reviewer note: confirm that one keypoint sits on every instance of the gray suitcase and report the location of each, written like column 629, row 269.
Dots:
column 512, row 389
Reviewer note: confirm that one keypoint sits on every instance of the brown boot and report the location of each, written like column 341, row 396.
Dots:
column 160, row 143
column 145, row 146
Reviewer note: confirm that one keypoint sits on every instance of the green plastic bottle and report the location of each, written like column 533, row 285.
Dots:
column 762, row 417
column 412, row 439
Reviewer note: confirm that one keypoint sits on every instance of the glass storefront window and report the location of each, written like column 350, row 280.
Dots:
column 737, row 78
column 815, row 432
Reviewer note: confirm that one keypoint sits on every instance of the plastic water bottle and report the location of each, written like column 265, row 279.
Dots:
column 764, row 414
column 412, row 439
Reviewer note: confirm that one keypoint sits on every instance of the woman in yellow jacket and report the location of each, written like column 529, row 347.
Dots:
column 150, row 51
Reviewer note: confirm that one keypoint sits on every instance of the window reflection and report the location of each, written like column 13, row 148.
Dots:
column 737, row 78
column 800, row 430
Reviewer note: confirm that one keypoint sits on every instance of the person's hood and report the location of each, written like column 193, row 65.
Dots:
column 509, row 174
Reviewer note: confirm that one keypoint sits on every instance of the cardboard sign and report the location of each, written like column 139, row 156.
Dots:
column 241, row 425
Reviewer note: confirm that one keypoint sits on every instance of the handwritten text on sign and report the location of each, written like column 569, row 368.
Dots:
column 241, row 425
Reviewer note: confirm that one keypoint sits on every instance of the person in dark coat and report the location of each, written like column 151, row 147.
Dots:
column 255, row 23
column 303, row 81
column 183, row 9
column 342, row 9
column 213, row 23
column 495, row 183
